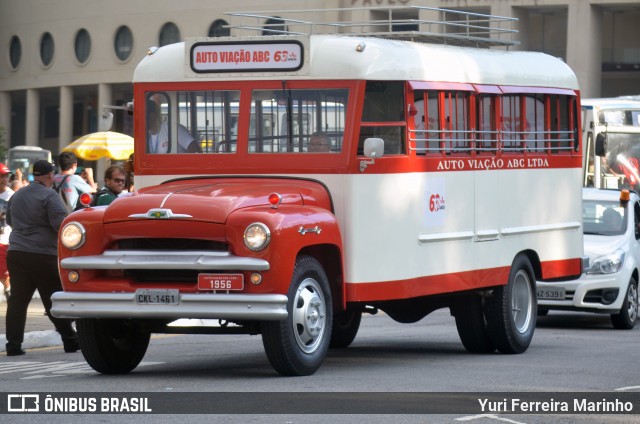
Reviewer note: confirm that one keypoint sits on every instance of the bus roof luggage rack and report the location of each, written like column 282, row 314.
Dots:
column 412, row 23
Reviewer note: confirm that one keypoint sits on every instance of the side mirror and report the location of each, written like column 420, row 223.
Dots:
column 373, row 148
column 601, row 144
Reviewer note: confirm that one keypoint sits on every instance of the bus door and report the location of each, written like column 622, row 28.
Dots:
column 487, row 181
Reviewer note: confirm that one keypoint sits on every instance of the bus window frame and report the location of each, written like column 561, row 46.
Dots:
column 243, row 161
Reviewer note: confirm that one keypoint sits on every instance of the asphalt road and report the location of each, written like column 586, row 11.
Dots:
column 571, row 353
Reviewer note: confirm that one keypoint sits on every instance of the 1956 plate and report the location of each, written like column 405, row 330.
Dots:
column 229, row 282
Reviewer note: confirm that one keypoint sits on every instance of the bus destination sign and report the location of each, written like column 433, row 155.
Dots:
column 250, row 56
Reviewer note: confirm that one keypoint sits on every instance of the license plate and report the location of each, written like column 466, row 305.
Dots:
column 220, row 281
column 157, row 296
column 551, row 293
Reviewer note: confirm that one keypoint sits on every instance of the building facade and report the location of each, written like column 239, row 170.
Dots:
column 62, row 60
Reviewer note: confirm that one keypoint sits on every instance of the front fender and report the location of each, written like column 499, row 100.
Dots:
column 293, row 228
column 96, row 239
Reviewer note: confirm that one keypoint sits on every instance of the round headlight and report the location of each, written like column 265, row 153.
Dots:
column 257, row 236
column 72, row 235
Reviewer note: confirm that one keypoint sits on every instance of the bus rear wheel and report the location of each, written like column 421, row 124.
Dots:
column 471, row 324
column 511, row 311
column 345, row 328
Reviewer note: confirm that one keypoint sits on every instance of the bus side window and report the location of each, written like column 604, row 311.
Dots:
column 486, row 135
column 383, row 116
column 393, row 137
column 383, row 102
column 158, row 134
column 562, row 123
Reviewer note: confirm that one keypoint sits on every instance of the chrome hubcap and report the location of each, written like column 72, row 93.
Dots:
column 521, row 301
column 309, row 315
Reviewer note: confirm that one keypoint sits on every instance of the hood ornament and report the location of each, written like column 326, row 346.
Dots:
column 160, row 213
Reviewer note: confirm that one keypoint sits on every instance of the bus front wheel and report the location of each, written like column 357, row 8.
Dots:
column 112, row 346
column 298, row 344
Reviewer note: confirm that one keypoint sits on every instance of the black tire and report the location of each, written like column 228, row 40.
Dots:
column 626, row 319
column 511, row 311
column 471, row 324
column 298, row 344
column 112, row 346
column 345, row 328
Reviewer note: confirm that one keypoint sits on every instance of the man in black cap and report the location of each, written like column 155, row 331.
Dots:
column 32, row 258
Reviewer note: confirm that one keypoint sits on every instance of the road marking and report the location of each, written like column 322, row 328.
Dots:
column 35, row 370
column 622, row 389
column 490, row 416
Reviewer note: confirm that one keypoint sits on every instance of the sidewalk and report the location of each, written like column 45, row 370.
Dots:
column 38, row 332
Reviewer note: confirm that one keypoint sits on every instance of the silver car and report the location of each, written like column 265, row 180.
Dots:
column 611, row 223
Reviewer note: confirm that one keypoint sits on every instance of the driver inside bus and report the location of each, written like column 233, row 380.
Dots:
column 319, row 142
column 158, row 138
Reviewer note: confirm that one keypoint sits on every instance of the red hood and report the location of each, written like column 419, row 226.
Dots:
column 213, row 199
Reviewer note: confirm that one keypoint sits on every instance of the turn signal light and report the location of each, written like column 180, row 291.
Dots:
column 256, row 278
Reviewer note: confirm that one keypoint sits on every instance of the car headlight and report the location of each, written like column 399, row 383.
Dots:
column 73, row 235
column 257, row 236
column 607, row 264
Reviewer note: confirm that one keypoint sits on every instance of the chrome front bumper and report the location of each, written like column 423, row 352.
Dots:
column 252, row 307
column 174, row 259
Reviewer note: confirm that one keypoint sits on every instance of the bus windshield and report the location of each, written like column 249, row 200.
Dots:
column 281, row 121
column 611, row 142
column 23, row 158
column 622, row 160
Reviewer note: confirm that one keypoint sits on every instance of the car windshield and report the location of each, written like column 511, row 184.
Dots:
column 604, row 218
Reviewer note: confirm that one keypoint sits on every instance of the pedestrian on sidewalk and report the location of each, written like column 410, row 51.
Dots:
column 5, row 230
column 35, row 214
column 69, row 184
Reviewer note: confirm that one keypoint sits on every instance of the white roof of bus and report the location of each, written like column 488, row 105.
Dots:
column 335, row 57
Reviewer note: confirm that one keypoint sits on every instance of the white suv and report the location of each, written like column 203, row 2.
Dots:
column 611, row 223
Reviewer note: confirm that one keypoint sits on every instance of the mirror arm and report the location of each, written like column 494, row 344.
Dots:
column 365, row 163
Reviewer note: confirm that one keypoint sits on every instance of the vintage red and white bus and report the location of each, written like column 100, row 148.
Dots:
column 340, row 174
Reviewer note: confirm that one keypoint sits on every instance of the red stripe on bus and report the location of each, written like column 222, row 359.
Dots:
column 453, row 282
column 425, row 286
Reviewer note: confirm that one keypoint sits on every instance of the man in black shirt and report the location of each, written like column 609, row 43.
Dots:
column 35, row 214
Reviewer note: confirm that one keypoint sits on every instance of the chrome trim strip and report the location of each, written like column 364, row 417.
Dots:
column 304, row 231
column 258, row 307
column 165, row 199
column 529, row 229
column 440, row 237
column 487, row 235
column 165, row 259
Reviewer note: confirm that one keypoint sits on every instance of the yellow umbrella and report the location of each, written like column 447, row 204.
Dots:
column 94, row 146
